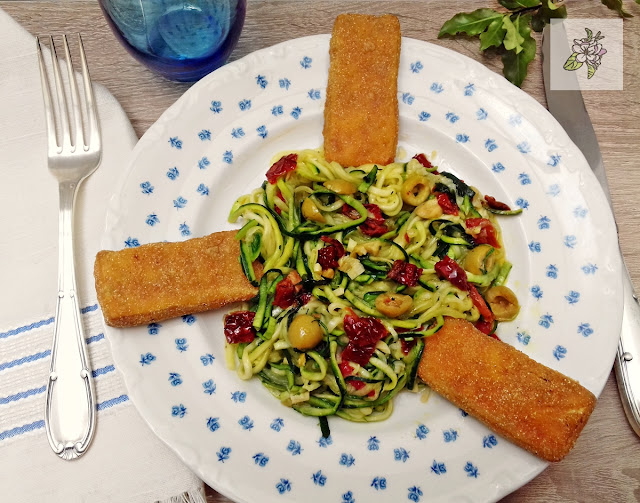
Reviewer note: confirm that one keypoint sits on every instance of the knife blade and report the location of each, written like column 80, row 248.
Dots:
column 569, row 110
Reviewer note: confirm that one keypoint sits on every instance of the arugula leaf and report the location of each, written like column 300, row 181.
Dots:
column 441, row 187
column 616, row 5
column 471, row 23
column 462, row 189
column 547, row 11
column 516, row 63
column 494, row 35
column 519, row 4
column 513, row 40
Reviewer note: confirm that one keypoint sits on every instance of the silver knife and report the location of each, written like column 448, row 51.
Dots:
column 569, row 110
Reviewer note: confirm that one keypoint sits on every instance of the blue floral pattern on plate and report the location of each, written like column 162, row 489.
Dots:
column 216, row 142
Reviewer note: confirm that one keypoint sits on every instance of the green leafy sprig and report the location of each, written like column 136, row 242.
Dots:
column 617, row 6
column 510, row 32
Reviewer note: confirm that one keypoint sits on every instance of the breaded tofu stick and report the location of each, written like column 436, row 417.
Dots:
column 158, row 281
column 529, row 404
column 361, row 111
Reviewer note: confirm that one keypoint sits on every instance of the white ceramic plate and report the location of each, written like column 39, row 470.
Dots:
column 215, row 143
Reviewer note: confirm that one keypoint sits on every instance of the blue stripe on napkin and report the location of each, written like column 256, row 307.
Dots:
column 102, row 371
column 36, row 425
column 25, row 359
column 22, row 394
column 20, row 430
column 41, row 323
column 94, row 338
column 41, row 354
column 26, row 328
column 110, row 403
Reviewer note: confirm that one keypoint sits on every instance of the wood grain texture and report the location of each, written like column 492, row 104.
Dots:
column 605, row 464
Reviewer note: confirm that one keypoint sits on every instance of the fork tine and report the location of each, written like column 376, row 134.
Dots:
column 94, row 138
column 62, row 100
column 75, row 99
column 48, row 106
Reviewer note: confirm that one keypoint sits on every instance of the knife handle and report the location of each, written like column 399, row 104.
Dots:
column 627, row 363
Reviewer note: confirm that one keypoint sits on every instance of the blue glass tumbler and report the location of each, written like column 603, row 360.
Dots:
column 182, row 40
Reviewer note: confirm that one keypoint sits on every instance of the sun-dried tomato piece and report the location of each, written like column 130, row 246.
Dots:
column 496, row 205
column 448, row 206
column 405, row 273
column 350, row 212
column 333, row 242
column 486, row 234
column 363, row 331
column 363, row 334
column 329, row 255
column 357, row 384
column 422, row 159
column 487, row 320
column 448, row 269
column 304, row 297
column 290, row 291
column 285, row 294
column 374, row 225
column 485, row 327
column 281, row 197
column 345, row 368
column 407, row 345
column 373, row 228
column 281, row 167
column 238, row 327
column 376, row 213
column 480, row 303
column 359, row 355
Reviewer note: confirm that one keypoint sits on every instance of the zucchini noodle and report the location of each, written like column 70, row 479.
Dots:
column 360, row 266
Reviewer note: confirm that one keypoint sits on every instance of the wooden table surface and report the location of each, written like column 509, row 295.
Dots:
column 605, row 464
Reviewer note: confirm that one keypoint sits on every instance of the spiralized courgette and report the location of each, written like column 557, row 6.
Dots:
column 393, row 230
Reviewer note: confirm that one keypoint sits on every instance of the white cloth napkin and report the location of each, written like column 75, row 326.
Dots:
column 126, row 462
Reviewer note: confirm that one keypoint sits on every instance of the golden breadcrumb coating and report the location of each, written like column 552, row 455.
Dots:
column 529, row 404
column 361, row 111
column 158, row 281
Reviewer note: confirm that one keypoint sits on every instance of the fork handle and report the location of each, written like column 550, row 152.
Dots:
column 70, row 406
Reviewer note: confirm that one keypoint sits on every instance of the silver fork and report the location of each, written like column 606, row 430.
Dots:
column 70, row 404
